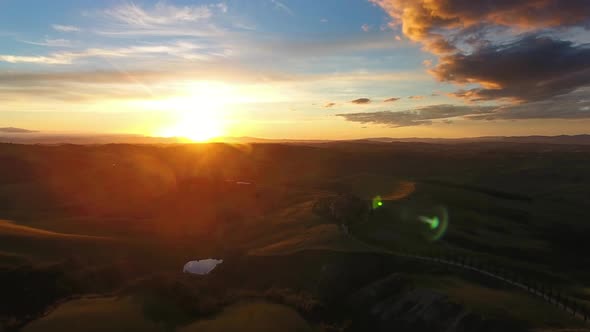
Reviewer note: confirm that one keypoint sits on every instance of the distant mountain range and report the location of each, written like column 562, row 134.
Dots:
column 24, row 136
column 43, row 138
column 561, row 139
column 12, row 130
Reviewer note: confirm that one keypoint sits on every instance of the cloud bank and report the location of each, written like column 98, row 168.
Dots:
column 416, row 117
column 572, row 106
column 510, row 49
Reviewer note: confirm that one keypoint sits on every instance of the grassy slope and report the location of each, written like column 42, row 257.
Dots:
column 255, row 316
column 126, row 314
column 297, row 228
column 8, row 228
column 104, row 314
column 510, row 232
column 498, row 301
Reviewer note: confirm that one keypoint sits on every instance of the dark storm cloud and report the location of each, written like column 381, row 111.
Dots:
column 480, row 42
column 416, row 117
column 532, row 68
column 361, row 101
column 390, row 100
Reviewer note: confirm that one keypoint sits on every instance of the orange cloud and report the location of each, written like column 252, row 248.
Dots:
column 504, row 46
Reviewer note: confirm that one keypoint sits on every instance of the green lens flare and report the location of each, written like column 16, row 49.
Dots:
column 377, row 202
column 432, row 222
column 437, row 224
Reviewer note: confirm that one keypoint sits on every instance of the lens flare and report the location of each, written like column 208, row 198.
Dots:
column 432, row 222
column 377, row 202
column 437, row 221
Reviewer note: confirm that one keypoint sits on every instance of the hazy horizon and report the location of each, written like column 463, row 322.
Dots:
column 24, row 136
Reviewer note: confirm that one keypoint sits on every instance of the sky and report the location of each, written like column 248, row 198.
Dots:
column 299, row 69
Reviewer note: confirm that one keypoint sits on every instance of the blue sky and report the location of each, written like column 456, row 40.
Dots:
column 270, row 68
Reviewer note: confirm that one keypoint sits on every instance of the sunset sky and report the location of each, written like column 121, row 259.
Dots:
column 329, row 69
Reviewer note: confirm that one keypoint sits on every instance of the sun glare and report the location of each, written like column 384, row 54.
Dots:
column 195, row 126
column 199, row 115
column 201, row 110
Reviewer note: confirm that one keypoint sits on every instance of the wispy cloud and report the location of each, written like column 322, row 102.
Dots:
column 169, row 78
column 206, row 31
column 222, row 6
column 65, row 28
column 281, row 6
column 171, row 71
column 162, row 19
column 55, row 59
column 317, row 46
column 52, row 42
column 161, row 14
column 180, row 49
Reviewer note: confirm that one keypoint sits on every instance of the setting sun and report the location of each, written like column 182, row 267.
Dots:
column 198, row 116
column 196, row 126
